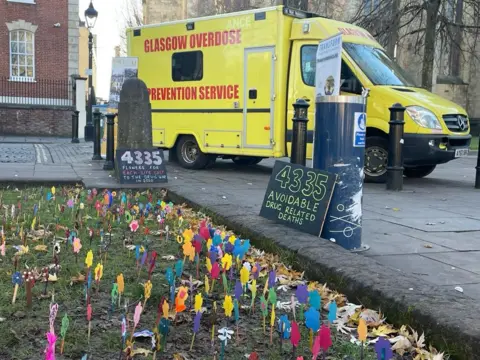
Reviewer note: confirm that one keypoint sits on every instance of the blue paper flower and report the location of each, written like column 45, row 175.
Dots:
column 169, row 276
column 332, row 311
column 315, row 299
column 312, row 319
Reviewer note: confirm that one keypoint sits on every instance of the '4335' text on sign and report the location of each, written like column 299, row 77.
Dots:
column 141, row 166
column 298, row 197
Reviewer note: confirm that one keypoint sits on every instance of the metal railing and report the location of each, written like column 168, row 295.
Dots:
column 46, row 92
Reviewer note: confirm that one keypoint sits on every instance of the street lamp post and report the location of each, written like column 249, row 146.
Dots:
column 90, row 19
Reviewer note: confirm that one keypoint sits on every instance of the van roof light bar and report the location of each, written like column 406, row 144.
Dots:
column 299, row 14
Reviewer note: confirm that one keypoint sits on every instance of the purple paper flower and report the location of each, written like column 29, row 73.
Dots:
column 229, row 248
column 383, row 349
column 238, row 290
column 144, row 257
column 302, row 294
column 196, row 322
column 256, row 273
column 272, row 278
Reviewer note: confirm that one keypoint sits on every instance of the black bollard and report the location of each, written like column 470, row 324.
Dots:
column 395, row 147
column 96, row 135
column 75, row 127
column 477, row 174
column 298, row 153
column 109, row 164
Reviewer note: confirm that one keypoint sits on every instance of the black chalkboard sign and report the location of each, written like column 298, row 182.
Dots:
column 298, row 197
column 141, row 166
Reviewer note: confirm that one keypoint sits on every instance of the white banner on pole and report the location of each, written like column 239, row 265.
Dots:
column 329, row 63
column 122, row 68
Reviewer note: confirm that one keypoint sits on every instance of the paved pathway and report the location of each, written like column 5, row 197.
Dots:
column 431, row 230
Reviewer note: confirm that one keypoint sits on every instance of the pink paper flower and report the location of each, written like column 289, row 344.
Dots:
column 134, row 226
column 50, row 351
column 77, row 245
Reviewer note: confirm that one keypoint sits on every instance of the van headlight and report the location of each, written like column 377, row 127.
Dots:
column 423, row 117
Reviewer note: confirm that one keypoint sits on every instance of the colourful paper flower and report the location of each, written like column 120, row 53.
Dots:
column 228, row 305
column 244, row 275
column 89, row 259
column 77, row 245
column 98, row 272
column 198, row 302
column 226, row 262
column 134, row 226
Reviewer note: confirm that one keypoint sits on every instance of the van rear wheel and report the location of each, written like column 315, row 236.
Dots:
column 376, row 157
column 246, row 160
column 189, row 154
column 418, row 171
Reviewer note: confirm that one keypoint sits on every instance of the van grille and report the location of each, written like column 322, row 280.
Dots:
column 456, row 122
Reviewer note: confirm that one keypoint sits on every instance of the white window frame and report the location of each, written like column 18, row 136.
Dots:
column 23, row 1
column 18, row 77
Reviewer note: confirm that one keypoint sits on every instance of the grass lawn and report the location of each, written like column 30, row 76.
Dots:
column 40, row 229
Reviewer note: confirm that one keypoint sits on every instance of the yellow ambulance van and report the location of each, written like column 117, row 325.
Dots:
column 224, row 85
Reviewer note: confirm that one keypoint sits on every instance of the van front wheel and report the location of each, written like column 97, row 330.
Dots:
column 189, row 154
column 376, row 157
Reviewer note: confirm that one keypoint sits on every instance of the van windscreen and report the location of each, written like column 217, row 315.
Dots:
column 377, row 66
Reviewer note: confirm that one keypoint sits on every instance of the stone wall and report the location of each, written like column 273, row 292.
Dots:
column 37, row 121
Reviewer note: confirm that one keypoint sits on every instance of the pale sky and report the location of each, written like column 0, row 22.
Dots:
column 107, row 28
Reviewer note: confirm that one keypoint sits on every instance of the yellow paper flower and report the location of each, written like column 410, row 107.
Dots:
column 209, row 265
column 34, row 221
column 165, row 309
column 188, row 235
column 53, row 190
column 244, row 275
column 272, row 318
column 253, row 287
column 163, row 204
column 227, row 261
column 98, row 272
column 207, row 284
column 228, row 305
column 89, row 259
column 209, row 244
column 148, row 289
column 232, row 239
column 198, row 302
column 189, row 250
column 120, row 283
column 362, row 330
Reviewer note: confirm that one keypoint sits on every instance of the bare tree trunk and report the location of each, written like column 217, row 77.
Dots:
column 457, row 42
column 393, row 36
column 429, row 50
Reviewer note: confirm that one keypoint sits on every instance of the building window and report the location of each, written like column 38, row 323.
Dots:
column 22, row 58
column 23, row 1
column 187, row 66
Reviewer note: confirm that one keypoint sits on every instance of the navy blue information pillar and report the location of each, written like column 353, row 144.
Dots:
column 339, row 147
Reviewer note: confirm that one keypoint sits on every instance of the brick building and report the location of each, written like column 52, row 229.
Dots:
column 39, row 53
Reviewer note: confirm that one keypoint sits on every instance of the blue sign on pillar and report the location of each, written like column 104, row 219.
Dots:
column 360, row 129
